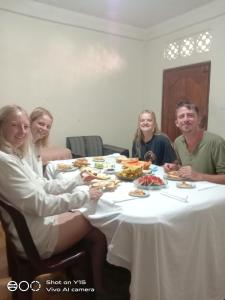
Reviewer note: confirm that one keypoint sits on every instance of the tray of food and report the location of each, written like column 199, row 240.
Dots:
column 130, row 173
column 150, row 182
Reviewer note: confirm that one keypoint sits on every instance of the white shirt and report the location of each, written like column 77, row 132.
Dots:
column 39, row 199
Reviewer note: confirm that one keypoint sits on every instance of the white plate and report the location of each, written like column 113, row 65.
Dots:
column 187, row 185
column 67, row 170
column 146, row 194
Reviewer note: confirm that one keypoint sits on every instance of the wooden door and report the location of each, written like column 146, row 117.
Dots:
column 188, row 82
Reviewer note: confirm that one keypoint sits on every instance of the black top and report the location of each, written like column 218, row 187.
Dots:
column 159, row 150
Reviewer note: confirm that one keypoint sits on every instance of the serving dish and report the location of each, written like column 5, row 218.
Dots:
column 150, row 182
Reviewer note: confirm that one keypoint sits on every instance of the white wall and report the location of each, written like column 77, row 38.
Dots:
column 91, row 81
column 211, row 17
column 96, row 78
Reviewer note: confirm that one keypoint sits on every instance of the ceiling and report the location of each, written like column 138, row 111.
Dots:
column 139, row 13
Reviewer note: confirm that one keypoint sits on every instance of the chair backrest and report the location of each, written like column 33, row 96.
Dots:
column 94, row 145
column 39, row 265
column 22, row 230
column 91, row 145
column 76, row 145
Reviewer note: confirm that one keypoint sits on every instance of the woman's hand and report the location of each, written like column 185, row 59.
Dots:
column 87, row 177
column 95, row 193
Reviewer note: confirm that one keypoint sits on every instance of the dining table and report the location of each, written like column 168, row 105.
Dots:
column 172, row 240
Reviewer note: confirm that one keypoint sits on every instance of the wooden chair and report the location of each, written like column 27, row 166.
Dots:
column 27, row 269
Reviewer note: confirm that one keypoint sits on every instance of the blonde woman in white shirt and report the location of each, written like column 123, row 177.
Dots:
column 40, row 125
column 46, row 204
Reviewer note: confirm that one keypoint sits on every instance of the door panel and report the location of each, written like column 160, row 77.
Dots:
column 188, row 82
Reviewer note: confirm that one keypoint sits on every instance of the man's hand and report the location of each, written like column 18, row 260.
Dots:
column 187, row 172
column 170, row 167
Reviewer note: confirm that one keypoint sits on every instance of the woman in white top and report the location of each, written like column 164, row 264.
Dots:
column 46, row 204
column 40, row 125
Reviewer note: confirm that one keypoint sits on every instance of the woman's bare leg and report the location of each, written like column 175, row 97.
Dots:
column 72, row 228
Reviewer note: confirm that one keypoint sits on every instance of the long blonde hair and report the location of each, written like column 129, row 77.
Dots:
column 138, row 137
column 37, row 113
column 5, row 113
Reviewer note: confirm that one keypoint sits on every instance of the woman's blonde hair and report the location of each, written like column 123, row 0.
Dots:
column 37, row 113
column 5, row 113
column 138, row 137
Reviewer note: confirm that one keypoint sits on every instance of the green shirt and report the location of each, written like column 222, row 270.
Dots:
column 208, row 157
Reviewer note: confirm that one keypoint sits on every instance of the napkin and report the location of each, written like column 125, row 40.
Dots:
column 205, row 185
column 180, row 196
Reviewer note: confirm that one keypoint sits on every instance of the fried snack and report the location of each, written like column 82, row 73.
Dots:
column 105, row 185
column 130, row 173
column 64, row 167
column 173, row 175
column 80, row 162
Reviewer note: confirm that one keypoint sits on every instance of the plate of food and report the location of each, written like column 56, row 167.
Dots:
column 121, row 158
column 130, row 173
column 62, row 167
column 80, row 162
column 185, row 185
column 150, row 182
column 139, row 193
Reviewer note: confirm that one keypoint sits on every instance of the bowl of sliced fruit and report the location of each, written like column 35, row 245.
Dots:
column 150, row 182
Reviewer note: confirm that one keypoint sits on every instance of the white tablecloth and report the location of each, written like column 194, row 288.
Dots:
column 173, row 243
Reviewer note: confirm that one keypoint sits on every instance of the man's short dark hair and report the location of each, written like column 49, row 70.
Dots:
column 188, row 104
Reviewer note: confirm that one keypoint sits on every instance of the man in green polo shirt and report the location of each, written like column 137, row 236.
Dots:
column 201, row 153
